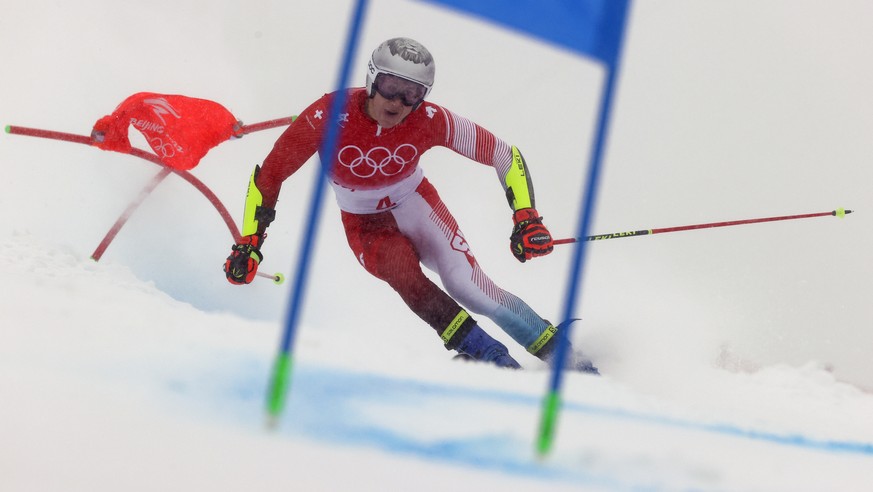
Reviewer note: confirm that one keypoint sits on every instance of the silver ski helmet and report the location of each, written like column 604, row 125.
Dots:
column 405, row 58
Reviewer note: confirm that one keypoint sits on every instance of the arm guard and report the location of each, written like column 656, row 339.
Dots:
column 519, row 188
column 256, row 217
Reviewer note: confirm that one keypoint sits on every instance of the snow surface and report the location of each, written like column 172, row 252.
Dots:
column 733, row 359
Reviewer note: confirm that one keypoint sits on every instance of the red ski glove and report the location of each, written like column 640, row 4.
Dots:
column 242, row 264
column 529, row 237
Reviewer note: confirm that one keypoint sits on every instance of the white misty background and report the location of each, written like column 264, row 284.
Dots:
column 724, row 111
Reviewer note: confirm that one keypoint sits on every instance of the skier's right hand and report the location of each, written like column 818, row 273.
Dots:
column 242, row 264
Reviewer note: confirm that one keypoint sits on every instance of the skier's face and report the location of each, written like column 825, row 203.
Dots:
column 387, row 112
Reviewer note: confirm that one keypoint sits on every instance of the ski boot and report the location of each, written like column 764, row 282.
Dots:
column 478, row 345
column 546, row 346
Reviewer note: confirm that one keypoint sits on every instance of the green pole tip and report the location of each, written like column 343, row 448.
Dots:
column 548, row 421
column 279, row 384
column 279, row 279
column 8, row 128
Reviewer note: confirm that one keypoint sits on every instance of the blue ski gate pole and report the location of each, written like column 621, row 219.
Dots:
column 281, row 376
column 552, row 400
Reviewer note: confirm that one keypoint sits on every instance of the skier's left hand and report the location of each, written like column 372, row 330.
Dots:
column 529, row 238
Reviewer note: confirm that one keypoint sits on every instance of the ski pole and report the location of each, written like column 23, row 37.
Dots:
column 840, row 212
column 277, row 277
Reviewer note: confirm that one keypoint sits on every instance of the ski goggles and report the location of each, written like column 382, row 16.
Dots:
column 391, row 87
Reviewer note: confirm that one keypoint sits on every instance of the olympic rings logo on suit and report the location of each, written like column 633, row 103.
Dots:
column 377, row 160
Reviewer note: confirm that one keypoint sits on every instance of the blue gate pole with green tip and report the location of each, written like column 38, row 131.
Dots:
column 281, row 376
column 615, row 16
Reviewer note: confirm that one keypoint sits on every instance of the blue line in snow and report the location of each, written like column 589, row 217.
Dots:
column 342, row 387
column 797, row 440
column 352, row 408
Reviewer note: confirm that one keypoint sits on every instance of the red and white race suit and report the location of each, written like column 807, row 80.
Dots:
column 393, row 217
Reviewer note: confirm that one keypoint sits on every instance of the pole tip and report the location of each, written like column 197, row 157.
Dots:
column 841, row 212
column 271, row 422
column 278, row 278
column 8, row 128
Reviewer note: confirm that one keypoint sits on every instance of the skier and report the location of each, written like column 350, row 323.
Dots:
column 393, row 217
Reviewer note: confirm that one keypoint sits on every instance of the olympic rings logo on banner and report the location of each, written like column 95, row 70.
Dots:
column 376, row 160
column 165, row 150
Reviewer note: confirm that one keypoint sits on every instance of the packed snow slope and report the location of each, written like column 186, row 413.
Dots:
column 110, row 384
column 733, row 359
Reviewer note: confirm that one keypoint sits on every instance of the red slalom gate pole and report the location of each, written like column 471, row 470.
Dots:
column 277, row 278
column 142, row 154
column 840, row 212
column 266, row 125
column 122, row 219
column 36, row 132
